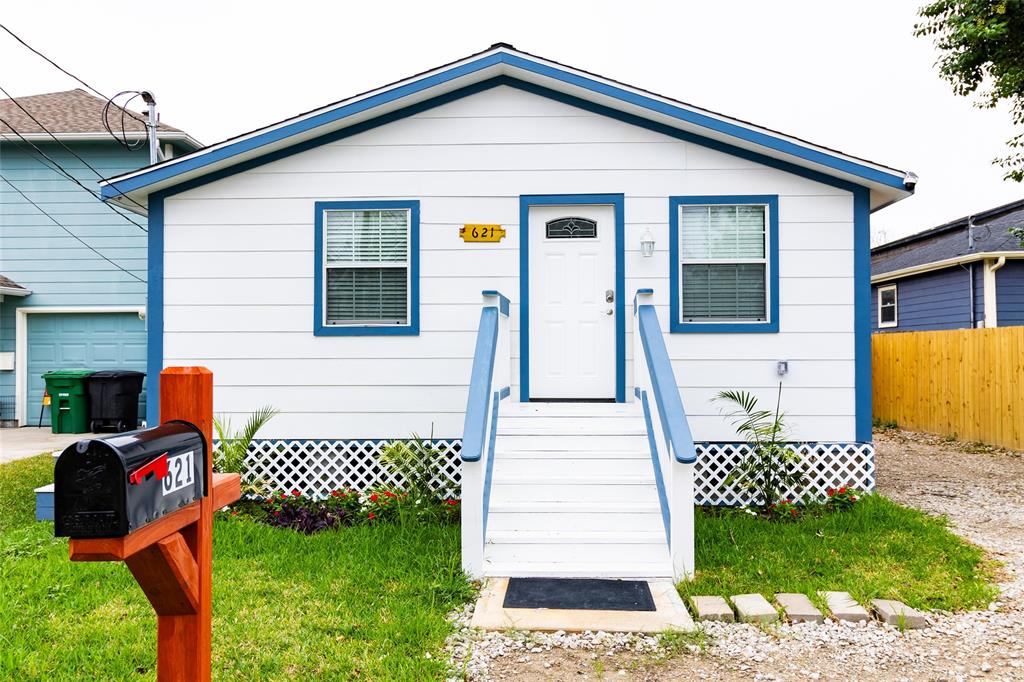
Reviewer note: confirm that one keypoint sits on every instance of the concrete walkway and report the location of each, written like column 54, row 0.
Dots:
column 29, row 441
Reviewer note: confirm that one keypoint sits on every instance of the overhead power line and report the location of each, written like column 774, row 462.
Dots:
column 63, row 70
column 66, row 173
column 61, row 143
column 77, row 238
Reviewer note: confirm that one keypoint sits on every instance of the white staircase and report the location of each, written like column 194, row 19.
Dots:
column 573, row 494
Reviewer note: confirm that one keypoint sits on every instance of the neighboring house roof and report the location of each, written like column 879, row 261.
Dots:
column 75, row 115
column 8, row 287
column 948, row 244
column 501, row 64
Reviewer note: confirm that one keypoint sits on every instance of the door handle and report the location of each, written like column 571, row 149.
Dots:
column 610, row 311
column 609, row 296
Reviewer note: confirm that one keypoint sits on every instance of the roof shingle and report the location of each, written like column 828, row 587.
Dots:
column 67, row 112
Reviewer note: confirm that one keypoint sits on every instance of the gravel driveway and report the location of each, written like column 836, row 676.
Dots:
column 981, row 492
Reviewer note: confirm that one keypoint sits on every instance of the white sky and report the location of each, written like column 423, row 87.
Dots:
column 845, row 74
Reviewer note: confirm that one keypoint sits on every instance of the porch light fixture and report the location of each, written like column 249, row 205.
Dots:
column 647, row 244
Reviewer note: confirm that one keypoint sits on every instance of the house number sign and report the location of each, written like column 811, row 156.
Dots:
column 482, row 233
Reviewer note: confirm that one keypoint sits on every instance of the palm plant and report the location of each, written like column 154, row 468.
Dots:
column 770, row 468
column 233, row 446
column 417, row 463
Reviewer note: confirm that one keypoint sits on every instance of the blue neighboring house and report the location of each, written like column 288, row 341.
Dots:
column 963, row 274
column 61, row 303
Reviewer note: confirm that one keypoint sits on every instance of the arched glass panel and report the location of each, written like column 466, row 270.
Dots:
column 571, row 228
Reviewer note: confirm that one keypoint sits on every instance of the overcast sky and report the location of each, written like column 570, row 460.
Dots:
column 845, row 74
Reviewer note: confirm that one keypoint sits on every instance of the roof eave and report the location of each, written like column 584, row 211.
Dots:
column 14, row 291
column 181, row 138
column 923, row 268
column 887, row 185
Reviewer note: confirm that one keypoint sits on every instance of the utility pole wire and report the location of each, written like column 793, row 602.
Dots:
column 65, row 71
column 60, row 169
column 61, row 226
column 60, row 142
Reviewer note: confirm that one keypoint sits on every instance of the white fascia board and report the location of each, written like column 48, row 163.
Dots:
column 163, row 136
column 14, row 291
column 942, row 264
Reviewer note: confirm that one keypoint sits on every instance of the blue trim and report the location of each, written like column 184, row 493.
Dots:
column 636, row 296
column 489, row 474
column 862, row 313
column 503, row 303
column 666, row 390
column 154, row 308
column 659, row 480
column 474, row 430
column 676, row 325
column 525, row 202
column 321, row 329
column 655, row 106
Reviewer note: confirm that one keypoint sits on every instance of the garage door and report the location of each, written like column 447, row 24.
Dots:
column 90, row 340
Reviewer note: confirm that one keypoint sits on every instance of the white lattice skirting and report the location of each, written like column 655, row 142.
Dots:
column 316, row 467
column 825, row 465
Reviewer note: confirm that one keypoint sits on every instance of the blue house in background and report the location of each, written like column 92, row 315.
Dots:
column 966, row 273
column 72, row 269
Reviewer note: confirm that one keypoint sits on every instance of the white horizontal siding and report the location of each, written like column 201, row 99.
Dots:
column 239, row 270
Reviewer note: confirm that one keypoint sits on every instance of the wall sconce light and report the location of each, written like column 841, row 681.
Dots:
column 647, row 244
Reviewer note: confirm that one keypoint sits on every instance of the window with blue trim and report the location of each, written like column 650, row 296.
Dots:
column 724, row 264
column 366, row 268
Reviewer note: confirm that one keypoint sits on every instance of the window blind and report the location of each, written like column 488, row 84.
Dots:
column 723, row 269
column 367, row 267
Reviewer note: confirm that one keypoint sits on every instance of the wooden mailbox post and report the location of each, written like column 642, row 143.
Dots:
column 172, row 558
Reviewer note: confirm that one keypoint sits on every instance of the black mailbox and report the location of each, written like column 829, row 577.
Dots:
column 112, row 486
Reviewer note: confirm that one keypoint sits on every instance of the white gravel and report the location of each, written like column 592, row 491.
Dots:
column 983, row 495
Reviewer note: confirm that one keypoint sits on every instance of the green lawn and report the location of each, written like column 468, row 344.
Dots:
column 367, row 602
column 878, row 549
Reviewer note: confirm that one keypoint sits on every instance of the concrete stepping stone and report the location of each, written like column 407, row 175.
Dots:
column 712, row 608
column 753, row 608
column 843, row 607
column 890, row 610
column 798, row 608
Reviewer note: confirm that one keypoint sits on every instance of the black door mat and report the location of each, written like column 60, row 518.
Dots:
column 584, row 594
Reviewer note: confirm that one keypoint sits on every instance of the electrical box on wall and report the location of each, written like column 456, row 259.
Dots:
column 6, row 362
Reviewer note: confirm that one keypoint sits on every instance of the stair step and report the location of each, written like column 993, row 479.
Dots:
column 575, row 552
column 504, row 450
column 596, row 427
column 570, row 409
column 652, row 507
column 569, row 481
column 558, row 569
column 600, row 537
column 572, row 442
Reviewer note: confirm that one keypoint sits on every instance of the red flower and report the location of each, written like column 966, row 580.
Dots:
column 792, row 511
column 374, row 497
column 388, row 493
column 831, row 492
column 842, row 491
column 234, row 513
column 853, row 498
column 372, row 516
column 277, row 513
column 451, row 502
column 296, row 493
column 284, row 496
column 335, row 493
column 270, row 499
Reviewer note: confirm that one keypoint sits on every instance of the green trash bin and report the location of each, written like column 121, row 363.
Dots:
column 69, row 400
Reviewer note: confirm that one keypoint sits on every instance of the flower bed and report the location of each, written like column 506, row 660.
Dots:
column 308, row 514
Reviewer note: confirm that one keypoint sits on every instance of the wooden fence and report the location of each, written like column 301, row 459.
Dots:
column 965, row 383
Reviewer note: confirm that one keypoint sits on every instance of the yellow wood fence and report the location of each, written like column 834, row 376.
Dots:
column 965, row 383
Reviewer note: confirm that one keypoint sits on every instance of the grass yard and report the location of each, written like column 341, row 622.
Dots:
column 878, row 549
column 367, row 602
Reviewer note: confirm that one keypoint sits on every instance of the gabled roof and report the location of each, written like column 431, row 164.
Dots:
column 948, row 244
column 74, row 115
column 9, row 287
column 503, row 64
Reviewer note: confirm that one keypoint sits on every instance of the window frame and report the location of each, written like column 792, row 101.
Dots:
column 771, row 325
column 320, row 326
column 895, row 306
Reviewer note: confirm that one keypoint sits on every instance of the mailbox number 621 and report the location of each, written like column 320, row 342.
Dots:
column 180, row 472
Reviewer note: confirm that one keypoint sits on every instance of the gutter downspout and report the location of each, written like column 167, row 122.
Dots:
column 991, row 311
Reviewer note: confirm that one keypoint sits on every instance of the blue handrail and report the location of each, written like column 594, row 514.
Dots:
column 663, row 384
column 474, row 431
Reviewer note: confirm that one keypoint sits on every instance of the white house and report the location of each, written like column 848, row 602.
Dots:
column 643, row 250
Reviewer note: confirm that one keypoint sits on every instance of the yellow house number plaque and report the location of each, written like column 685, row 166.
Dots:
column 482, row 233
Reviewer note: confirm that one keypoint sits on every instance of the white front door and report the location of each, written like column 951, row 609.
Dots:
column 572, row 302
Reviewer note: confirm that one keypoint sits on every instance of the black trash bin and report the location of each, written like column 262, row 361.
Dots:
column 114, row 399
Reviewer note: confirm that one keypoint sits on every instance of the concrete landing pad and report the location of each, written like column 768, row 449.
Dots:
column 669, row 613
